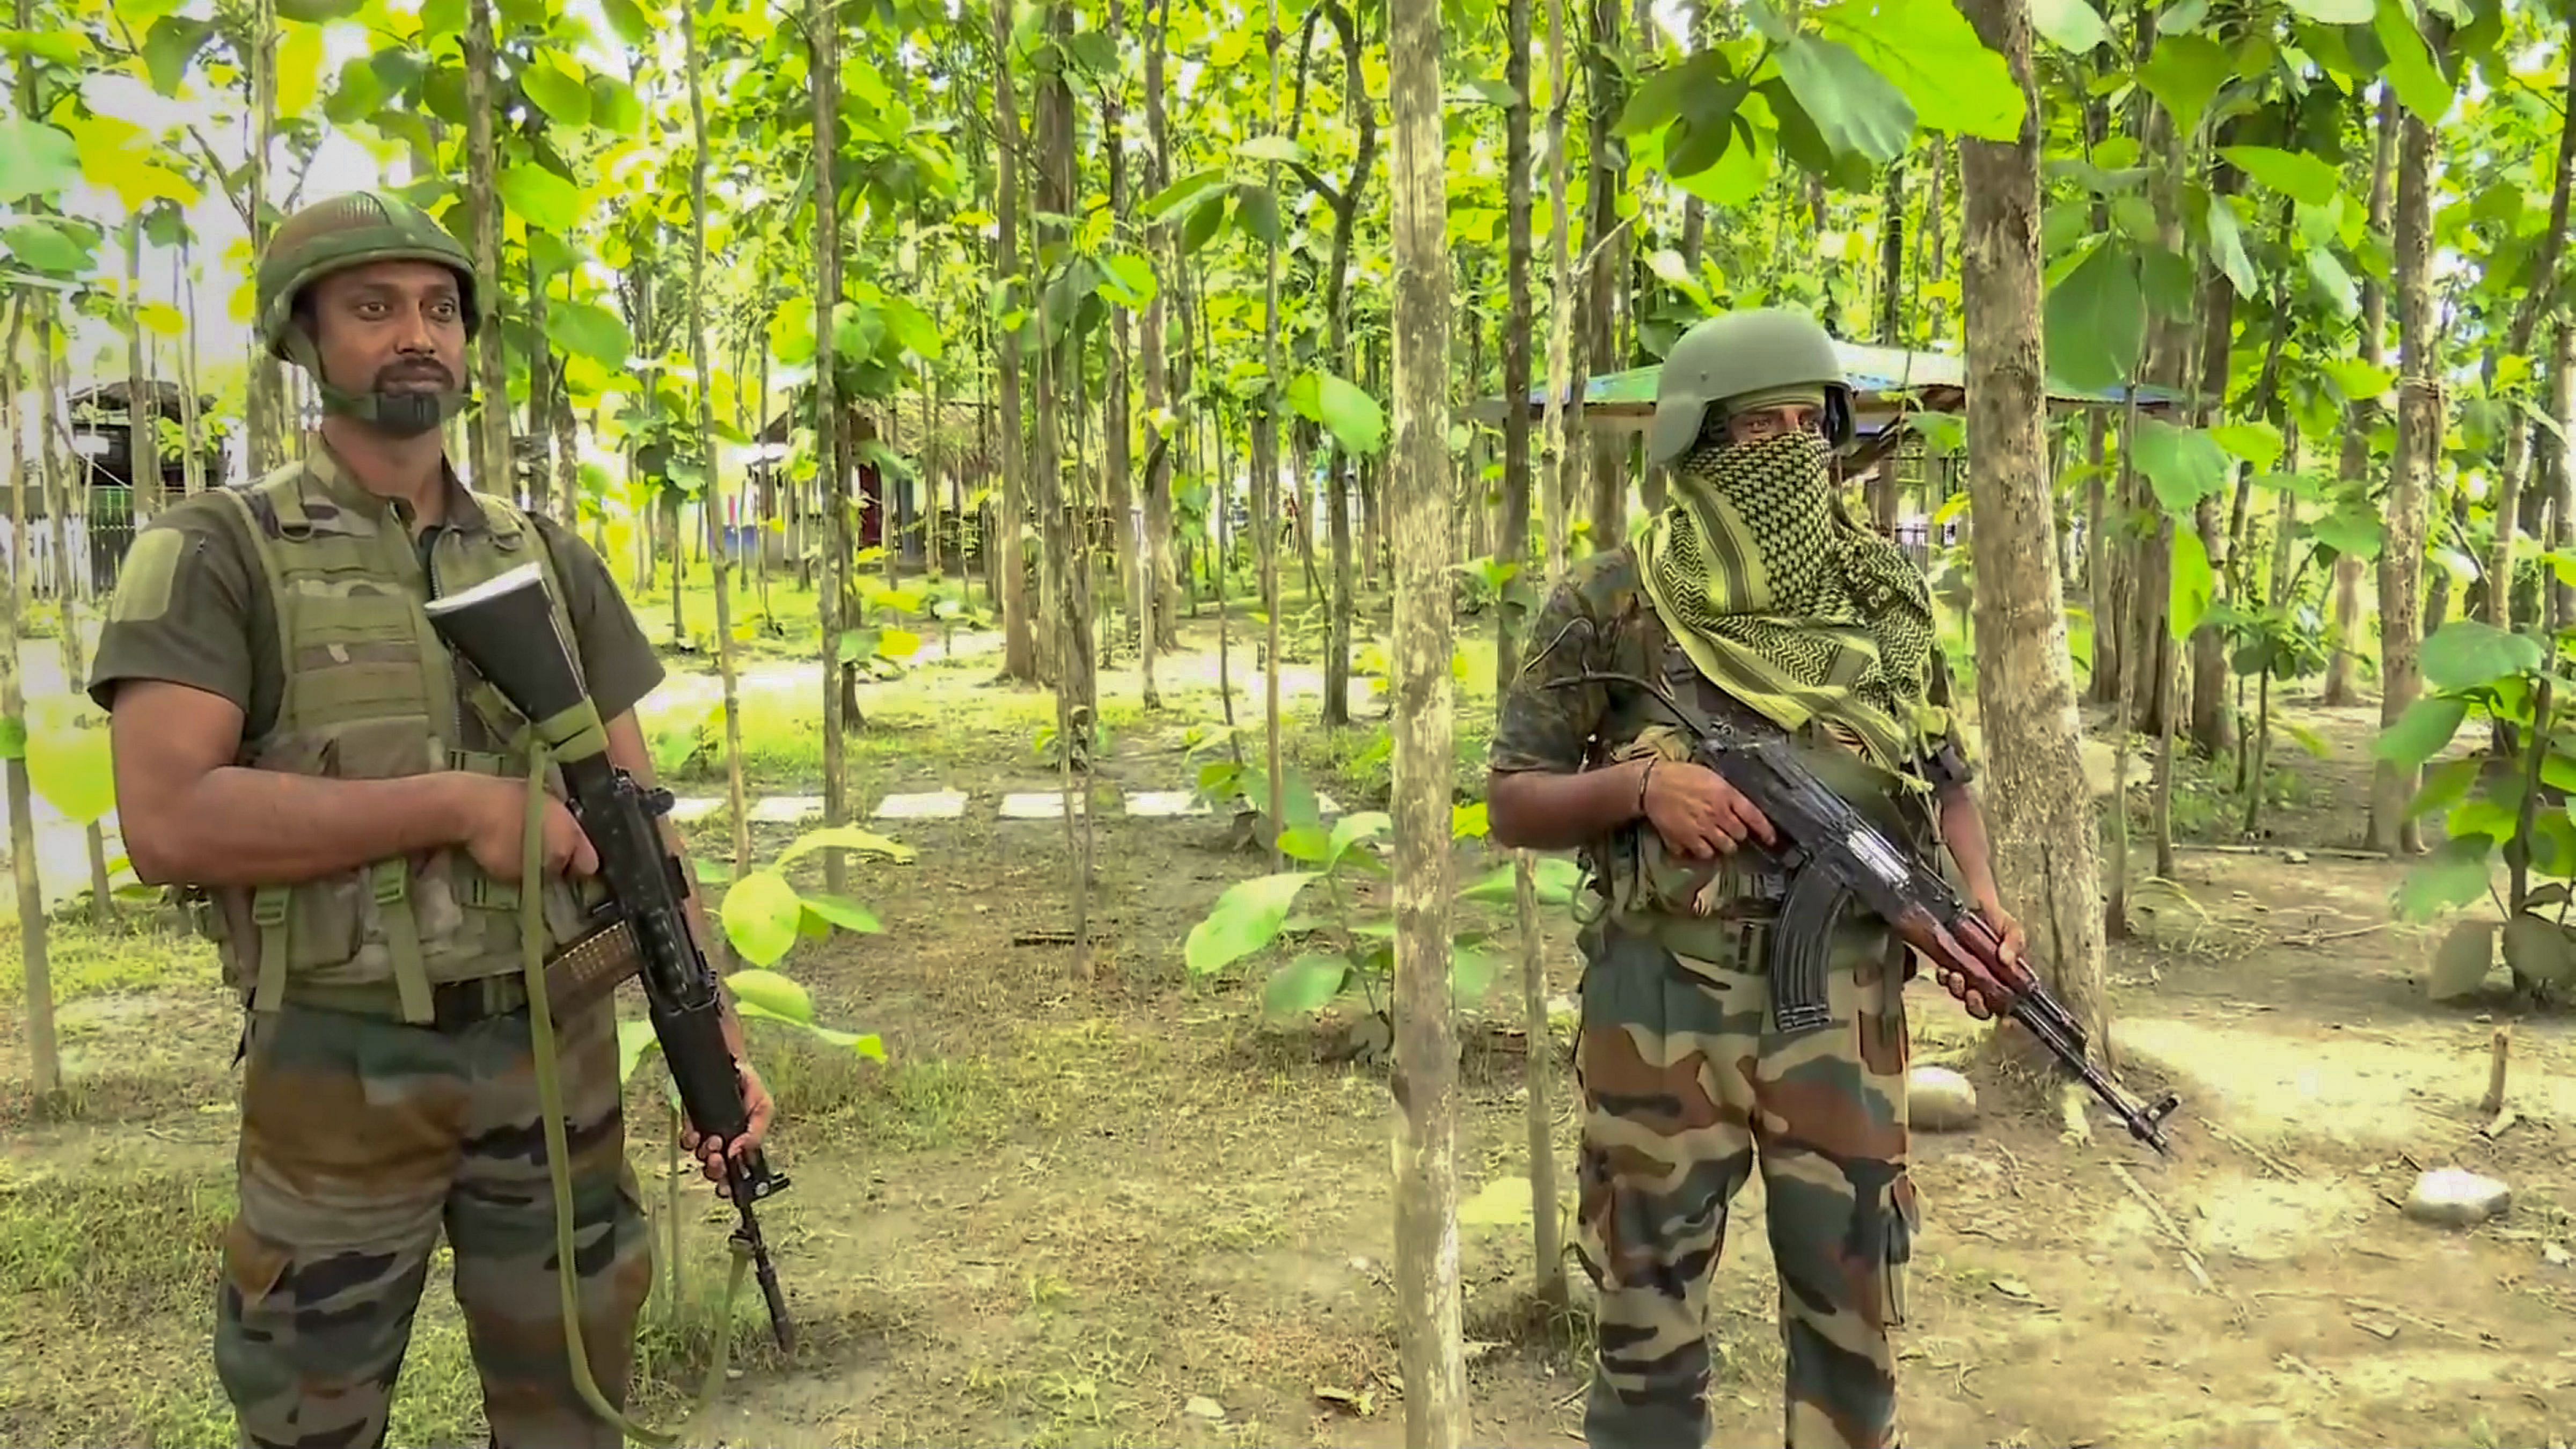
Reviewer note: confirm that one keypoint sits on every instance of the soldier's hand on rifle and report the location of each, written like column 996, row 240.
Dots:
column 1980, row 992
column 1698, row 814
column 496, row 815
column 711, row 1151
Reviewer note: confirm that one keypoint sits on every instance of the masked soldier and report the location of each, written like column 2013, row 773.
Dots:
column 344, row 807
column 1755, row 596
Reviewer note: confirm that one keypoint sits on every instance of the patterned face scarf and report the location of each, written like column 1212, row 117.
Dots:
column 1785, row 603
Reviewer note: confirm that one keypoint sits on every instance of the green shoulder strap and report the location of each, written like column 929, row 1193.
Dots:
column 269, row 903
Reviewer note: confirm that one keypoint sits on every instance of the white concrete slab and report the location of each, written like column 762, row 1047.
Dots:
column 1163, row 803
column 695, row 808
column 934, row 805
column 1324, row 804
column 1040, row 805
column 787, row 809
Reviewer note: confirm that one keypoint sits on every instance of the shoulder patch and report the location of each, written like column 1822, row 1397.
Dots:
column 147, row 578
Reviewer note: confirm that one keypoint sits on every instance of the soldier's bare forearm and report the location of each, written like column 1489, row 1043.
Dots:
column 244, row 827
column 1544, row 810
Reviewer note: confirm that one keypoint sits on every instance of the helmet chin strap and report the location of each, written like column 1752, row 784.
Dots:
column 395, row 414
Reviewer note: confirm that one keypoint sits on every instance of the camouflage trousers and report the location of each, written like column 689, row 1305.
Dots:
column 362, row 1140
column 1686, row 1083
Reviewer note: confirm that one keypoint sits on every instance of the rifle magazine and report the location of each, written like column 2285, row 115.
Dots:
column 1801, row 940
column 591, row 968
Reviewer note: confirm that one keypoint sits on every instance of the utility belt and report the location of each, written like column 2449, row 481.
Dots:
column 577, row 976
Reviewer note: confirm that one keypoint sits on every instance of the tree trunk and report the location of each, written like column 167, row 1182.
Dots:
column 1562, row 420
column 2343, row 633
column 1019, row 643
column 2420, row 414
column 45, row 1071
column 2540, row 288
column 2213, row 722
column 2042, row 819
column 491, row 439
column 1608, row 270
column 1117, row 459
column 831, row 468
column 2554, row 451
column 1426, row 1049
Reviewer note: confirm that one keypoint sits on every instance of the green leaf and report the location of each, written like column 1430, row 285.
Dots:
column 169, row 47
column 1271, row 148
column 1659, row 97
column 2462, row 961
column 628, row 19
column 1932, row 55
column 36, row 159
column 846, row 837
column 1350, row 830
column 2257, row 442
column 2096, row 325
column 2411, row 72
column 1310, row 843
column 586, row 329
column 2334, row 12
column 613, row 107
column 2469, row 654
column 13, row 738
column 315, row 12
column 634, row 1039
column 2451, row 877
column 843, row 912
column 68, row 761
column 541, row 198
column 1853, row 106
column 1245, row 919
column 1257, row 207
column 1356, row 421
column 2226, row 240
column 356, row 95
column 2353, row 532
column 1127, row 279
column 2423, row 731
column 298, row 69
column 761, row 914
column 2446, row 784
column 2185, row 73
column 557, row 91
column 2185, row 465
column 2357, row 380
column 2194, row 584
column 2294, row 174
column 2072, row 25
column 1305, row 984
column 773, row 993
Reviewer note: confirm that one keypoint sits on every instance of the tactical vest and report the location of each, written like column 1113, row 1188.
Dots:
column 370, row 693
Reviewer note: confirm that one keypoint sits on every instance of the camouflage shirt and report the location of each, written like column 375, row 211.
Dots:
column 1600, row 620
column 192, row 607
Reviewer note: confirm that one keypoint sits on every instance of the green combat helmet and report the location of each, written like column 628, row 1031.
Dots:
column 348, row 231
column 1747, row 360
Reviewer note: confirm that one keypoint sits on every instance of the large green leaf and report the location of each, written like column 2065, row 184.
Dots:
column 773, row 993
column 2356, row 532
column 357, row 94
column 589, row 330
column 2451, row 877
column 2418, row 82
column 2185, row 465
column 1660, row 96
column 36, row 159
column 1245, row 919
column 169, row 47
column 1305, row 984
column 2423, row 731
column 68, row 761
column 541, row 198
column 2462, row 961
column 556, row 91
column 761, row 915
column 839, row 911
column 2096, row 324
column 2069, row 24
column 2334, row 12
column 1357, row 422
column 630, row 21
column 2357, row 380
column 1853, row 106
column 2194, row 584
column 846, row 837
column 2541, row 949
column 2226, row 239
column 2471, row 654
column 2185, row 73
column 2294, row 174
column 315, row 12
column 1932, row 55
column 2257, row 442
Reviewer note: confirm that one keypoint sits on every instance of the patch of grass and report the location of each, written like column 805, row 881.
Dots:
column 132, row 953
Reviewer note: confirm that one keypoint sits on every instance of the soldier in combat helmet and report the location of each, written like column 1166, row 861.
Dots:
column 343, row 807
column 1755, row 590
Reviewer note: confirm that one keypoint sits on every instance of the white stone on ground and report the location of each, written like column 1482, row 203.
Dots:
column 1166, row 803
column 934, row 805
column 1940, row 1100
column 787, row 809
column 696, row 808
column 1039, row 805
column 1324, row 805
column 2452, row 1198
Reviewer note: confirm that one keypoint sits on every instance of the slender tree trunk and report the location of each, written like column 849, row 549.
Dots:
column 1159, row 628
column 831, row 471
column 1265, row 479
column 1019, row 643
column 1608, row 257
column 2343, row 633
column 1557, row 436
column 2541, row 289
column 2420, row 414
column 1116, row 457
column 2042, row 819
column 2554, row 452
column 45, row 1071
column 1428, row 1293
column 491, row 440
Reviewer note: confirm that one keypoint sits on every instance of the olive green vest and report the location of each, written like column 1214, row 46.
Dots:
column 371, row 693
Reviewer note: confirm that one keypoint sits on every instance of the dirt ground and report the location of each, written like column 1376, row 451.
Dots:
column 1091, row 1202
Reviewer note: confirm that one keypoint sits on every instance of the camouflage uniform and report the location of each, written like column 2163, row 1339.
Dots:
column 1686, row 1080
column 368, row 1129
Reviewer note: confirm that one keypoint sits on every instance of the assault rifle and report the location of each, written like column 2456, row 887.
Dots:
column 1831, row 854
column 505, row 630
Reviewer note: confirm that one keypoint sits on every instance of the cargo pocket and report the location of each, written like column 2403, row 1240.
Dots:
column 1900, row 1216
